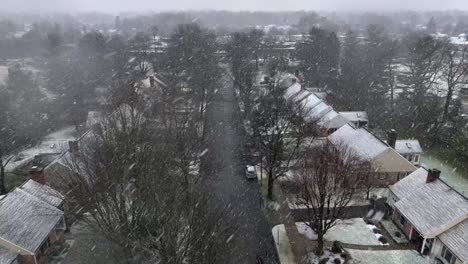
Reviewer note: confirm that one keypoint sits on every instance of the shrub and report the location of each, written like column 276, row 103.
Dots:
column 397, row 234
column 323, row 261
column 337, row 261
column 383, row 239
column 344, row 255
column 377, row 231
column 337, row 247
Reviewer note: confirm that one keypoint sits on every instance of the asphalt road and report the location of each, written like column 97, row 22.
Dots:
column 228, row 185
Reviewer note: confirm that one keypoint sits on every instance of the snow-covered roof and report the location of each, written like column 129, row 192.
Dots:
column 309, row 102
column 408, row 146
column 356, row 116
column 332, row 120
column 26, row 221
column 286, row 80
column 43, row 192
column 56, row 142
column 460, row 40
column 431, row 207
column 7, row 256
column 361, row 141
column 456, row 238
column 292, row 90
column 317, row 112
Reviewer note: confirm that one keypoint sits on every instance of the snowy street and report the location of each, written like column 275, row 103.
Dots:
column 229, row 185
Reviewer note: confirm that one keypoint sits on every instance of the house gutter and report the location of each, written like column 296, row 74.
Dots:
column 14, row 247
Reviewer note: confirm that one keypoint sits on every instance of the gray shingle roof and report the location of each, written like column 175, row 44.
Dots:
column 430, row 207
column 408, row 147
column 25, row 220
column 7, row 256
column 456, row 239
column 43, row 192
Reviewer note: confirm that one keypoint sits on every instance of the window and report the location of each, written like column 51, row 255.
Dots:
column 416, row 158
column 410, row 157
column 448, row 255
column 382, row 176
column 402, row 220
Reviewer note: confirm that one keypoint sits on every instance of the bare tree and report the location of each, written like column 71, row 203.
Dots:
column 279, row 131
column 127, row 177
column 455, row 68
column 329, row 177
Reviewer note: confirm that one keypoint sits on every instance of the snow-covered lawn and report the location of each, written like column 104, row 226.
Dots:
column 351, row 231
column 450, row 174
column 387, row 257
column 360, row 199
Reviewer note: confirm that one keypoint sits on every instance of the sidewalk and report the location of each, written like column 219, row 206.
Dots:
column 282, row 244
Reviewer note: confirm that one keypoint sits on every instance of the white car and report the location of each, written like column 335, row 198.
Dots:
column 250, row 172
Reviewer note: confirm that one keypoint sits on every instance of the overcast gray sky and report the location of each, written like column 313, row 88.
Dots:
column 251, row 5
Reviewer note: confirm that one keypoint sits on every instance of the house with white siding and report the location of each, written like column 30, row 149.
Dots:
column 432, row 215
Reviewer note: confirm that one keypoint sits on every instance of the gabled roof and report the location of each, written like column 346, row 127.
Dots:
column 356, row 116
column 26, row 221
column 361, row 141
column 7, row 256
column 309, row 102
column 432, row 207
column 43, row 192
column 332, row 120
column 317, row 112
column 292, row 90
column 456, row 239
column 408, row 146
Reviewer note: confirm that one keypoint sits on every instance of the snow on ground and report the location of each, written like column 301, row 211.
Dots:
column 303, row 229
column 282, row 245
column 387, row 257
column 350, row 231
column 55, row 142
column 314, row 259
column 392, row 229
column 449, row 174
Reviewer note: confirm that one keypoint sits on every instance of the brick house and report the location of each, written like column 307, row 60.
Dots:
column 388, row 164
column 31, row 223
column 432, row 215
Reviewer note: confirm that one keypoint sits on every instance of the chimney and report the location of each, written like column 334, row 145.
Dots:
column 73, row 147
column 37, row 175
column 392, row 136
column 151, row 80
column 432, row 175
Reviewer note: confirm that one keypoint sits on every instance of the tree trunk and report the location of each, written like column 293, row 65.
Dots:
column 320, row 245
column 270, row 185
column 448, row 99
column 2, row 180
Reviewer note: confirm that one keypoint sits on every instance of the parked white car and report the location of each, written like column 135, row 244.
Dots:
column 250, row 172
